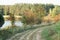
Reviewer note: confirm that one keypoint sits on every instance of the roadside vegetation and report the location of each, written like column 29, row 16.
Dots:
column 52, row 33
column 32, row 15
column 9, row 32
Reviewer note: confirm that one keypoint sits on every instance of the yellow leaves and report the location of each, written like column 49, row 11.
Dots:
column 29, row 17
column 52, row 19
column 29, row 14
column 53, row 12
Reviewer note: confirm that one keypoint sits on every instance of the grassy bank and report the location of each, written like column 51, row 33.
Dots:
column 52, row 33
column 9, row 32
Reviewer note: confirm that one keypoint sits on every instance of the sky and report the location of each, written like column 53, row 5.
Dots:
column 12, row 2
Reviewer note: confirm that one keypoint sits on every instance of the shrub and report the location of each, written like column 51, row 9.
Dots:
column 30, row 18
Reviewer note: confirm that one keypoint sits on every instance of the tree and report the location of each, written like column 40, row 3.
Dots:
column 5, row 10
column 40, row 11
column 11, row 13
column 29, row 17
column 1, row 20
column 49, row 6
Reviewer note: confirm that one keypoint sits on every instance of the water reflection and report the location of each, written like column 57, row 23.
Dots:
column 18, row 23
column 8, row 23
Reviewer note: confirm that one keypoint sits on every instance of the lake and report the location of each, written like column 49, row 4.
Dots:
column 8, row 23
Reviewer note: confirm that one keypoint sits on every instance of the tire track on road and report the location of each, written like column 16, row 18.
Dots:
column 37, row 32
column 27, row 35
column 23, row 37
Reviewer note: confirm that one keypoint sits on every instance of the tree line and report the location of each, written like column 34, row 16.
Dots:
column 18, row 9
column 32, row 13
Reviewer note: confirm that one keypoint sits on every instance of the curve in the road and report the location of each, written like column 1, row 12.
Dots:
column 29, row 35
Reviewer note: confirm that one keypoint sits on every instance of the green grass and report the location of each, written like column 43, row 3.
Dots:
column 4, row 34
column 51, row 33
column 7, row 33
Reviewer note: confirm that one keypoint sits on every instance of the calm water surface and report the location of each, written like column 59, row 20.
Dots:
column 8, row 23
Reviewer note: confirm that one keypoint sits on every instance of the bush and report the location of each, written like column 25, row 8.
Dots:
column 30, row 18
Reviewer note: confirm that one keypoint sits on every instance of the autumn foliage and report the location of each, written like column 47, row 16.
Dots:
column 51, row 19
column 29, row 17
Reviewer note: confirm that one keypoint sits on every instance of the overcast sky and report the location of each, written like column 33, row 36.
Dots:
column 12, row 2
